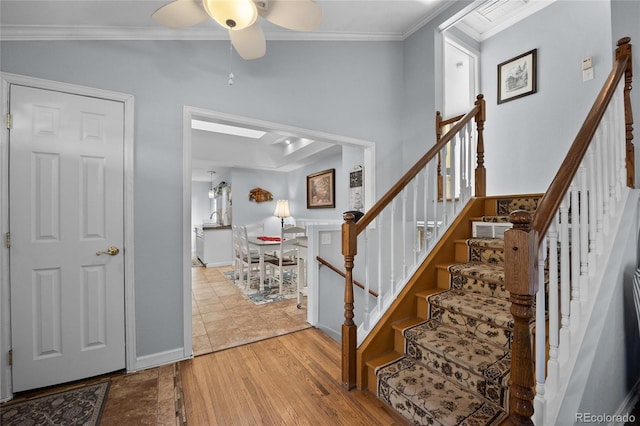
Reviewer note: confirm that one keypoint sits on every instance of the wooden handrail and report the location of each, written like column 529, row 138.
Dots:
column 342, row 274
column 522, row 242
column 552, row 198
column 376, row 209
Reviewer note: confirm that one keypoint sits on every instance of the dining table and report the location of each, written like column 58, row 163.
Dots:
column 262, row 244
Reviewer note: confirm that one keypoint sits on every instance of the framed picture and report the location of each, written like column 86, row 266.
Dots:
column 517, row 77
column 321, row 189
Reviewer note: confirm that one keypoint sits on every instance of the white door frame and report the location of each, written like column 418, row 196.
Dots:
column 474, row 55
column 188, row 113
column 5, row 306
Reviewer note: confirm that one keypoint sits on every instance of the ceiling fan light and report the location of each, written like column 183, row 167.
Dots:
column 232, row 14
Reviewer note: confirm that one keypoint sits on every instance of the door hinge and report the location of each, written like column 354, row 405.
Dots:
column 10, row 357
column 7, row 239
column 9, row 121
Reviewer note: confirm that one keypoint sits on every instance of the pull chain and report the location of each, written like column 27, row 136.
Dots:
column 230, row 82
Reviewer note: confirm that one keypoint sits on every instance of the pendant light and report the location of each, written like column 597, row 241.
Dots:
column 212, row 192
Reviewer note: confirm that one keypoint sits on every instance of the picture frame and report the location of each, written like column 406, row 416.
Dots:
column 321, row 189
column 517, row 77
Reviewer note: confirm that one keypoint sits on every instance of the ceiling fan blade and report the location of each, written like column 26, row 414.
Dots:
column 249, row 42
column 180, row 13
column 299, row 15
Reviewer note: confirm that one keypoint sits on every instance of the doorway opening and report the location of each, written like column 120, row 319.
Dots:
column 276, row 134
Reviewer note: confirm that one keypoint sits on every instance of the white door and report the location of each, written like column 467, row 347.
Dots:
column 65, row 206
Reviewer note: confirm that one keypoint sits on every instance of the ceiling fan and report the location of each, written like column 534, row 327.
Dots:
column 240, row 18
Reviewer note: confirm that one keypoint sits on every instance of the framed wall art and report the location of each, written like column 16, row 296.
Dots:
column 321, row 189
column 517, row 77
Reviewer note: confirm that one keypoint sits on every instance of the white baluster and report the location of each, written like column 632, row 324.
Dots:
column 593, row 201
column 599, row 194
column 445, row 184
column 565, row 284
column 621, row 140
column 366, row 318
column 434, row 205
column 392, row 242
column 454, row 172
column 541, row 347
column 379, row 222
column 584, row 232
column 471, row 161
column 414, row 233
column 574, row 252
column 554, row 309
column 403, row 236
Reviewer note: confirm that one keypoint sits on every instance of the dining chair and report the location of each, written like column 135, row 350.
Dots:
column 238, row 268
column 249, row 259
column 286, row 258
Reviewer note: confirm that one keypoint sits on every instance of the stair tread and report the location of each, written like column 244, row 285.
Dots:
column 477, row 356
column 495, row 219
column 407, row 323
column 484, row 308
column 434, row 397
column 488, row 272
column 383, row 359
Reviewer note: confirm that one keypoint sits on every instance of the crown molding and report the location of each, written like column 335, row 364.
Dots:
column 62, row 33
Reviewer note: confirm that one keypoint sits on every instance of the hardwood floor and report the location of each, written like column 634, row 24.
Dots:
column 287, row 380
column 292, row 379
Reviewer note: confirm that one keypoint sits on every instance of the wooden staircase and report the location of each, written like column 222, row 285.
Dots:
column 450, row 363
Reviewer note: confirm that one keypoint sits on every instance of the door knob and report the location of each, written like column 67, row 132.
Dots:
column 111, row 251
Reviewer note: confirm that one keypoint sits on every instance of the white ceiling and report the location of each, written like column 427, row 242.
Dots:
column 365, row 20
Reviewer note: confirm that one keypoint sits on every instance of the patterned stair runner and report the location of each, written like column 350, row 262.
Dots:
column 455, row 368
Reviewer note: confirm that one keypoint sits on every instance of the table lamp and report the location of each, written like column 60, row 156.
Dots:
column 282, row 211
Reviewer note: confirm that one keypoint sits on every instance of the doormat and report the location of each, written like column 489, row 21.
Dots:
column 81, row 406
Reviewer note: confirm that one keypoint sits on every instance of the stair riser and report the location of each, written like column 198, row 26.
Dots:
column 486, row 255
column 460, row 282
column 494, row 392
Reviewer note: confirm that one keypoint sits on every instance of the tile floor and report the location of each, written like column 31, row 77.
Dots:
column 223, row 317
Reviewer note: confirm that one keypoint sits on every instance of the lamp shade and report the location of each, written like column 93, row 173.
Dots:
column 232, row 14
column 282, row 209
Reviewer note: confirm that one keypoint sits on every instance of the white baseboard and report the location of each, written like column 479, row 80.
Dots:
column 626, row 407
column 161, row 358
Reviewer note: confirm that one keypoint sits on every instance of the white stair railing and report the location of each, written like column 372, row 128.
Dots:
column 394, row 237
column 559, row 254
column 597, row 196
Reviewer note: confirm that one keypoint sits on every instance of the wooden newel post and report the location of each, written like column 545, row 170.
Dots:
column 349, row 329
column 481, row 172
column 624, row 50
column 521, row 280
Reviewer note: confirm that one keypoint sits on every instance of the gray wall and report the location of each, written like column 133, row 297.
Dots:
column 520, row 134
column 245, row 211
column 421, row 89
column 322, row 86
